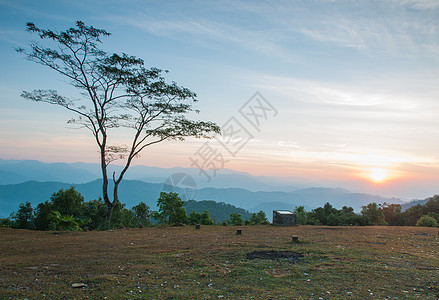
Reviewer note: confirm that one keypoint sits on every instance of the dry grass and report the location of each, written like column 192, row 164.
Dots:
column 182, row 263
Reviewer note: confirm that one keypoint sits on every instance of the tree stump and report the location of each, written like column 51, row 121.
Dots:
column 295, row 239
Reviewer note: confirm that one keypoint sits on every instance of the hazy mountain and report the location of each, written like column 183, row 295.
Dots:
column 132, row 192
column 35, row 192
column 19, row 171
column 407, row 205
column 8, row 177
column 268, row 207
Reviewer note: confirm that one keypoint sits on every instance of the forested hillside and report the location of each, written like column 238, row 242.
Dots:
column 219, row 212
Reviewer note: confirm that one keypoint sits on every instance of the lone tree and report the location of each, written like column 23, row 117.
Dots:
column 117, row 92
column 170, row 209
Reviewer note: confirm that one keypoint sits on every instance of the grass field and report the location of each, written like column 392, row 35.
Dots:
column 212, row 263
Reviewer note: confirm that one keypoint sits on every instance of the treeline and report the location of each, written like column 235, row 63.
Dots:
column 426, row 215
column 67, row 210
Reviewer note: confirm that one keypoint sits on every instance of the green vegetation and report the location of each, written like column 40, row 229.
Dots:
column 66, row 222
column 235, row 219
column 171, row 210
column 67, row 210
column 65, row 202
column 24, row 217
column 219, row 212
column 203, row 218
column 142, row 214
column 371, row 214
column 395, row 217
column 375, row 214
column 426, row 221
column 328, row 215
column 258, row 218
column 392, row 214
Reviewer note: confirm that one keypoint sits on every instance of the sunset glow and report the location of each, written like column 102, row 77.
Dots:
column 378, row 175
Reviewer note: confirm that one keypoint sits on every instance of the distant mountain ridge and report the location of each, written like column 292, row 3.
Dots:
column 412, row 203
column 20, row 171
column 131, row 192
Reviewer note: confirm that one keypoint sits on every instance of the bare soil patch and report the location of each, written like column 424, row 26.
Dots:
column 271, row 254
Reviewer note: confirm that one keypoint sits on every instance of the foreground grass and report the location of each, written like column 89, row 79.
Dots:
column 182, row 263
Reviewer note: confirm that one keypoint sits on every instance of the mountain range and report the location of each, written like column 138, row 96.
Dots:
column 19, row 171
column 34, row 181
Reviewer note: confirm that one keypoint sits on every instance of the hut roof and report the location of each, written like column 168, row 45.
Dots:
column 284, row 212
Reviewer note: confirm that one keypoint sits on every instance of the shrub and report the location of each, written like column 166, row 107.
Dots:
column 236, row 219
column 66, row 222
column 96, row 211
column 5, row 222
column 426, row 221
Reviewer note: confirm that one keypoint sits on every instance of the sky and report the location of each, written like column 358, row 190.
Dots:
column 344, row 93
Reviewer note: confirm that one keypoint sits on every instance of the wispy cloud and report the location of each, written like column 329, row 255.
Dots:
column 361, row 94
column 279, row 29
column 395, row 35
column 34, row 12
column 10, row 37
column 419, row 4
column 359, row 158
column 213, row 33
column 387, row 27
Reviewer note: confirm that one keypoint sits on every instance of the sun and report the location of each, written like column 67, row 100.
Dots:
column 378, row 175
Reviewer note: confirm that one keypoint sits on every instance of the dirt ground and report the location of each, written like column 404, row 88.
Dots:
column 214, row 262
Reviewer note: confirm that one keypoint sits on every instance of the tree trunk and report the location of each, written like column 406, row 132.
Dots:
column 115, row 193
column 109, row 213
column 107, row 201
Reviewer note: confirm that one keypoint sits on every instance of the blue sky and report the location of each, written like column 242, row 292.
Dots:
column 355, row 83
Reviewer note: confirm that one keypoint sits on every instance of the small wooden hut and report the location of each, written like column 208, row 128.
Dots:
column 284, row 218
